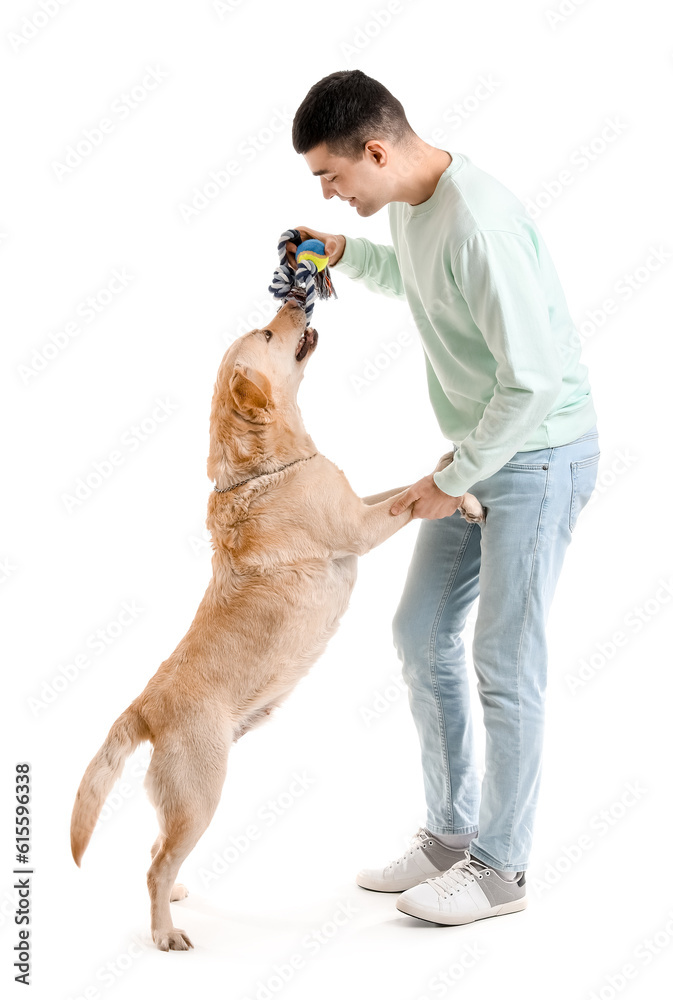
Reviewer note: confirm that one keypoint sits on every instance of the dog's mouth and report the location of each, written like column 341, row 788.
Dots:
column 307, row 343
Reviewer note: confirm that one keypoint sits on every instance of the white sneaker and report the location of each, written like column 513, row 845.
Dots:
column 469, row 891
column 425, row 859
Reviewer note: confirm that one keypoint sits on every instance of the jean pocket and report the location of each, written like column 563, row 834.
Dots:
column 529, row 460
column 583, row 474
column 526, row 466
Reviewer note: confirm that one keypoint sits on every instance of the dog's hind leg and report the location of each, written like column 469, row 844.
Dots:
column 184, row 783
column 179, row 891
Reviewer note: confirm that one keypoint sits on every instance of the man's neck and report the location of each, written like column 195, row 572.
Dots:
column 419, row 174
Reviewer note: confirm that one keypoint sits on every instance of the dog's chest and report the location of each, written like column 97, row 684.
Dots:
column 316, row 616
column 344, row 573
column 321, row 596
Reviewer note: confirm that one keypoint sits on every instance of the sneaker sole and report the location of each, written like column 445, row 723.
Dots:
column 375, row 885
column 414, row 910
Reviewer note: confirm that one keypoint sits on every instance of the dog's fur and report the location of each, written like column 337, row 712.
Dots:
column 285, row 547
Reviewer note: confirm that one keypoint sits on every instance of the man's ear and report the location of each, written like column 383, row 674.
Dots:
column 251, row 390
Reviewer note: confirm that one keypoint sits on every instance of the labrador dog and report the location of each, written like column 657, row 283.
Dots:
column 286, row 532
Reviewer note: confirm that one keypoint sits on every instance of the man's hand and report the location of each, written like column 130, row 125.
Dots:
column 429, row 501
column 334, row 245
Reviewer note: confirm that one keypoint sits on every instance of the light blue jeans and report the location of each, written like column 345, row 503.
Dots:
column 512, row 561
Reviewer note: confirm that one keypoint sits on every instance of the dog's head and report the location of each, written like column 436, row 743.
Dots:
column 254, row 405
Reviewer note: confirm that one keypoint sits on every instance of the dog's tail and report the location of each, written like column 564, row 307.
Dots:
column 128, row 731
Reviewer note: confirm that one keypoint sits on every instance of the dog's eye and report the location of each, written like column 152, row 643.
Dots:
column 268, row 334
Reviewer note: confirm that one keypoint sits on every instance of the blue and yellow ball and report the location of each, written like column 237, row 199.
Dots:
column 312, row 250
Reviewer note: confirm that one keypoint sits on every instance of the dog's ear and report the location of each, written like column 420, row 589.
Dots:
column 251, row 390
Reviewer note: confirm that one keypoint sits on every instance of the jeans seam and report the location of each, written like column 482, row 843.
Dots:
column 518, row 652
column 433, row 665
column 573, row 495
column 465, row 829
column 490, row 860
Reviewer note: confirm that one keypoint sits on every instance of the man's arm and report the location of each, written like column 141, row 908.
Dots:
column 374, row 264
column 498, row 275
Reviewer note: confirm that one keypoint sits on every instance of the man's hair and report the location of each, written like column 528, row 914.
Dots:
column 345, row 110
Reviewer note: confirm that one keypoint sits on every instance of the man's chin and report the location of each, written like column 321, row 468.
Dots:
column 366, row 210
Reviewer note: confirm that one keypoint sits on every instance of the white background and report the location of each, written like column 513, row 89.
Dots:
column 553, row 83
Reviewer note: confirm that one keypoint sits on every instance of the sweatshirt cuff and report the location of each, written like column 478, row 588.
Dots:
column 353, row 259
column 450, row 482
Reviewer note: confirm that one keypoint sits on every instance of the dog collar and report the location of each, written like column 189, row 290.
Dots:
column 227, row 488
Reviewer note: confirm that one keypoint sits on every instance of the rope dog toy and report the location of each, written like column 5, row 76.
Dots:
column 312, row 278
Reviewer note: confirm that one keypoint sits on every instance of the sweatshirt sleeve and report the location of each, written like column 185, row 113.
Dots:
column 498, row 275
column 374, row 264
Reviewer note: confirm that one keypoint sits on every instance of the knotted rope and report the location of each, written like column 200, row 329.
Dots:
column 310, row 280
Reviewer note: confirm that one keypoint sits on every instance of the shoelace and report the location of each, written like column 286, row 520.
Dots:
column 460, row 876
column 418, row 840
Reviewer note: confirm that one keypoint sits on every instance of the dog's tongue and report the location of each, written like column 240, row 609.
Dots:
column 305, row 343
column 298, row 293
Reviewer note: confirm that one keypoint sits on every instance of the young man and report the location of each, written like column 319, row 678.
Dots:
column 507, row 386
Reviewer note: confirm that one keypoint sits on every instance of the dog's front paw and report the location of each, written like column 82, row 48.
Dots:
column 471, row 509
column 178, row 892
column 445, row 460
column 172, row 939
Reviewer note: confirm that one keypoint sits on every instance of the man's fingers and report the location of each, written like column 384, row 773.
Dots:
column 291, row 248
column 330, row 241
column 404, row 501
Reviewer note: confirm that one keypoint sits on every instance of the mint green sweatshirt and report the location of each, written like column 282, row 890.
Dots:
column 501, row 350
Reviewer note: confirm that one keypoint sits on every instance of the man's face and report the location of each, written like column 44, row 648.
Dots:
column 363, row 183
